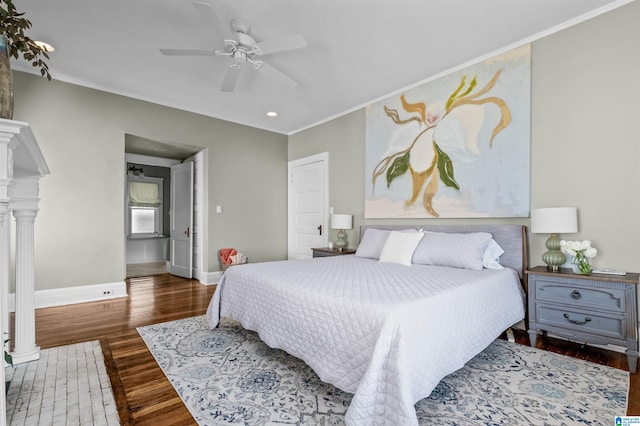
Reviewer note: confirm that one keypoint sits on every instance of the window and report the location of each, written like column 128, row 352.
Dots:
column 143, row 220
column 144, row 206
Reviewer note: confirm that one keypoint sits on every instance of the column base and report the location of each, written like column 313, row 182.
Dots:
column 19, row 358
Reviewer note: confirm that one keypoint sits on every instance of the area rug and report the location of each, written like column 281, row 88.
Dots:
column 228, row 376
column 68, row 385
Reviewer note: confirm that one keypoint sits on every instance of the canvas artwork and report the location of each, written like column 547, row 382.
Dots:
column 454, row 147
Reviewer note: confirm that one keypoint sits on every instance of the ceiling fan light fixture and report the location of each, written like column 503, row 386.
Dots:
column 242, row 48
column 44, row 46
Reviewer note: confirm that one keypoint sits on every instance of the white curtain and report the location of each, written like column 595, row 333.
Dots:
column 144, row 194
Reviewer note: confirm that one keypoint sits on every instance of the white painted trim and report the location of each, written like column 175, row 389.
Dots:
column 210, row 278
column 198, row 212
column 321, row 157
column 150, row 161
column 73, row 295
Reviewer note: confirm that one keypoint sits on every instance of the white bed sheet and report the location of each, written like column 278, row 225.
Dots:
column 385, row 332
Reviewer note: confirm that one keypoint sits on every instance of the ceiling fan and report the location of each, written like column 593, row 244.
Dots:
column 242, row 48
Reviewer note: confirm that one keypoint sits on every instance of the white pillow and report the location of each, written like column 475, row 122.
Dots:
column 400, row 246
column 454, row 250
column 372, row 242
column 491, row 255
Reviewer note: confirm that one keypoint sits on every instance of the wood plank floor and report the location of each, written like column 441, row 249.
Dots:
column 143, row 394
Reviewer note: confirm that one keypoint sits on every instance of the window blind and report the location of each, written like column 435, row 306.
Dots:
column 144, row 194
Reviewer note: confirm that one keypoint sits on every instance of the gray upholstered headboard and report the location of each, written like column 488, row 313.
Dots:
column 512, row 238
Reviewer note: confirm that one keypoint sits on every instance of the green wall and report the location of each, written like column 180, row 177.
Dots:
column 584, row 143
column 584, row 153
column 79, row 232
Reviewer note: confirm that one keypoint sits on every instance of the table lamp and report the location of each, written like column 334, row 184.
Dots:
column 341, row 222
column 554, row 220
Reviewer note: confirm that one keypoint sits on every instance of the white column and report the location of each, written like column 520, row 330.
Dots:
column 25, row 334
column 5, row 250
column 21, row 167
column 4, row 295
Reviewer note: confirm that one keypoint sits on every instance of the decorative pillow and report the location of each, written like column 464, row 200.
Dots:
column 491, row 256
column 372, row 242
column 400, row 246
column 455, row 250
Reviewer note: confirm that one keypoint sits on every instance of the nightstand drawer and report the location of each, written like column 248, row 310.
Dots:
column 582, row 321
column 601, row 309
column 572, row 293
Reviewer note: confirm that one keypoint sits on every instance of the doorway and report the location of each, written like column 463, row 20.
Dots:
column 308, row 200
column 147, row 214
column 152, row 255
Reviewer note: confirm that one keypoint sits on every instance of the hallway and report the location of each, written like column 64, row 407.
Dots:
column 146, row 269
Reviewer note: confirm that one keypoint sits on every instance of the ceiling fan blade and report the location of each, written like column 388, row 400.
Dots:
column 282, row 44
column 229, row 82
column 187, row 52
column 276, row 75
column 219, row 25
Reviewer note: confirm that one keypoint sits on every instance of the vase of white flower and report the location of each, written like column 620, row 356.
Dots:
column 580, row 252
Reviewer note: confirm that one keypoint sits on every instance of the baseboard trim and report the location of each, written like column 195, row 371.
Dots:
column 210, row 278
column 73, row 295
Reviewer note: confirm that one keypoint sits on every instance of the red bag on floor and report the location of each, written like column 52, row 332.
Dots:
column 225, row 255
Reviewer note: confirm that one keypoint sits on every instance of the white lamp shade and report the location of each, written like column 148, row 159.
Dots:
column 341, row 221
column 554, row 220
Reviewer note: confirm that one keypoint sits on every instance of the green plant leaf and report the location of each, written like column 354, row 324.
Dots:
column 13, row 25
column 7, row 356
column 399, row 167
column 445, row 168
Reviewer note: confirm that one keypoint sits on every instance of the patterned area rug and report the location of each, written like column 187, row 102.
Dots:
column 228, row 375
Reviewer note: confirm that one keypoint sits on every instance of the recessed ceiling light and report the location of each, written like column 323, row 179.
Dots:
column 44, row 46
column 272, row 114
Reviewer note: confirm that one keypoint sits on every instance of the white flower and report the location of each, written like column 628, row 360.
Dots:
column 572, row 248
column 590, row 252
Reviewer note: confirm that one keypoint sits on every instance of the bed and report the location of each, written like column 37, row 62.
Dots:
column 385, row 331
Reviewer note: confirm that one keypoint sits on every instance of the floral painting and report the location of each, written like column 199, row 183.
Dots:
column 457, row 146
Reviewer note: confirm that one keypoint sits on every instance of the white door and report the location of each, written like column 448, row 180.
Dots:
column 181, row 219
column 308, row 205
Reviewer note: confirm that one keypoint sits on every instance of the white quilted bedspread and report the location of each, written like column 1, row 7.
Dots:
column 385, row 332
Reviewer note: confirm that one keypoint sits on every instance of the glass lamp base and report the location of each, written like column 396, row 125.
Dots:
column 341, row 242
column 554, row 258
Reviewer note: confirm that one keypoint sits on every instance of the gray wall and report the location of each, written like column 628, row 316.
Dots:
column 79, row 230
column 584, row 147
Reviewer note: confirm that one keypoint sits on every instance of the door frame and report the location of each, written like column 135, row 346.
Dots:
column 199, row 220
column 323, row 157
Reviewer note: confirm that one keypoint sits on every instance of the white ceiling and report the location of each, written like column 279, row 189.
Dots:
column 357, row 51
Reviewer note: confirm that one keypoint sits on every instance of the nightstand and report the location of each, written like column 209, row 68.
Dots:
column 326, row 252
column 597, row 308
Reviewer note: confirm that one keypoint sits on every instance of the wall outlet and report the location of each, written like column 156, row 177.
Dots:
column 106, row 293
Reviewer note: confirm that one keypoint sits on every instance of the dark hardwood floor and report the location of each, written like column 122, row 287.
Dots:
column 143, row 394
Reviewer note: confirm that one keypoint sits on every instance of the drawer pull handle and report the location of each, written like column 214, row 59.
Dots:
column 576, row 294
column 586, row 320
